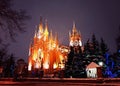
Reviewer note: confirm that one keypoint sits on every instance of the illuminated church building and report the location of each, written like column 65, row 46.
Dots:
column 75, row 39
column 45, row 52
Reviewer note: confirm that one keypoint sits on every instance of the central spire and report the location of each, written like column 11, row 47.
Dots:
column 46, row 29
column 75, row 37
column 74, row 30
column 41, row 25
column 46, row 33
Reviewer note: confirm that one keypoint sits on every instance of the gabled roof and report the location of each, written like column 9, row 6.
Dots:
column 92, row 65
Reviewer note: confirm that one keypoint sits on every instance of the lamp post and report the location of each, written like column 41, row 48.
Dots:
column 100, row 63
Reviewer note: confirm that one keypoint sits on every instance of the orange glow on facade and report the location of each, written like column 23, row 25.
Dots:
column 44, row 52
column 29, row 66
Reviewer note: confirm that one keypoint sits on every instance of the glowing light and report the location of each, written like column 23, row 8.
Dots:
column 80, row 43
column 44, row 52
column 39, row 35
column 29, row 66
column 55, row 65
column 46, row 33
column 35, row 55
column 100, row 63
column 62, row 66
column 61, row 58
column 40, row 28
column 54, row 45
column 46, row 66
column 29, row 51
column 37, row 64
column 71, row 43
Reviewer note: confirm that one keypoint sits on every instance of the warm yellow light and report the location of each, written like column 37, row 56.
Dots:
column 37, row 63
column 35, row 55
column 61, row 58
column 46, row 66
column 40, row 28
column 29, row 51
column 29, row 66
column 42, row 54
column 53, row 45
column 62, row 66
column 55, row 65
column 46, row 33
column 80, row 43
column 66, row 50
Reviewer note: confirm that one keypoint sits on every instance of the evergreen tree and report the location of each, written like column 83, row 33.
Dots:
column 3, row 54
column 93, row 52
column 103, row 47
column 74, row 65
column 95, row 45
column 68, row 65
column 70, row 56
column 86, row 48
column 9, row 68
column 118, row 41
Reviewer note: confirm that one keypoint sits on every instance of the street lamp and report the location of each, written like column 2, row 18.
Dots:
column 100, row 63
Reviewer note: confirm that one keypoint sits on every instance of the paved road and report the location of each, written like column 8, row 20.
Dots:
column 61, row 82
column 11, row 83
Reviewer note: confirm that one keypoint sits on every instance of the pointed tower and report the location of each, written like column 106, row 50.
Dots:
column 75, row 37
column 40, row 30
column 35, row 37
column 30, row 57
column 74, row 30
column 56, row 38
column 46, row 33
column 41, row 25
column 51, row 36
column 44, row 53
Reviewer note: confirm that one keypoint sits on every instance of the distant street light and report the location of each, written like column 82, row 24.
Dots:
column 100, row 63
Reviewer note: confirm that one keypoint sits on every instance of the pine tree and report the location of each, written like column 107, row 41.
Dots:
column 9, row 68
column 70, row 56
column 68, row 64
column 74, row 65
column 95, row 45
column 118, row 41
column 103, row 47
column 86, row 48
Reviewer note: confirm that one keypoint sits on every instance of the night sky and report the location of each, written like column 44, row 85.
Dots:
column 101, row 17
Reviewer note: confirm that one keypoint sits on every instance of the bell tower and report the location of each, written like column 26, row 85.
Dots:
column 75, row 37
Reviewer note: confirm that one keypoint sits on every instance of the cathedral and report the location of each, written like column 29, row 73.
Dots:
column 46, row 54
column 75, row 40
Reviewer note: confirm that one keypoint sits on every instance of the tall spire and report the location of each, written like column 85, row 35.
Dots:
column 51, row 36
column 41, row 25
column 40, row 20
column 46, row 33
column 69, row 33
column 35, row 35
column 74, row 31
column 46, row 24
column 30, row 47
column 56, row 38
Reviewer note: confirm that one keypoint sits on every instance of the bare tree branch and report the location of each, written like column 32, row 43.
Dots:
column 11, row 21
